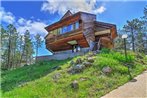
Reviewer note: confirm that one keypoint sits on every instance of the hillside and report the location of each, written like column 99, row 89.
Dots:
column 57, row 79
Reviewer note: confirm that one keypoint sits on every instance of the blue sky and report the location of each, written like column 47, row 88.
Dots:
column 35, row 15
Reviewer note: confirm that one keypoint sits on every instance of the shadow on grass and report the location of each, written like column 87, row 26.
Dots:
column 19, row 76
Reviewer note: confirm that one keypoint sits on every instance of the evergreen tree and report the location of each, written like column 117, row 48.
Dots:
column 28, row 47
column 38, row 43
column 11, row 35
column 133, row 28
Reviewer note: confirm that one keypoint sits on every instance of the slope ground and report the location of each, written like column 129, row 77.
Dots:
column 36, row 81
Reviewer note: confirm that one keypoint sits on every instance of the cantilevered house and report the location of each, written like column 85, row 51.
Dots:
column 78, row 31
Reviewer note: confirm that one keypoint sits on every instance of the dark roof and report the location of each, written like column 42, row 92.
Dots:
column 67, row 14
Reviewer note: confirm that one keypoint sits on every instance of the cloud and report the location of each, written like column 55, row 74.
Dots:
column 61, row 6
column 33, row 26
column 100, row 10
column 22, row 24
column 6, row 17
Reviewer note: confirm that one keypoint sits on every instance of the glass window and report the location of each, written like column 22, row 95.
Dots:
column 69, row 27
column 76, row 25
column 64, row 29
column 58, row 31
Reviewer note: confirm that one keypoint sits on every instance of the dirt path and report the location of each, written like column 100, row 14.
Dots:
column 132, row 89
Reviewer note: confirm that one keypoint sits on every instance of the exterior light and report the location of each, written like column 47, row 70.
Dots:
column 124, row 36
column 79, row 48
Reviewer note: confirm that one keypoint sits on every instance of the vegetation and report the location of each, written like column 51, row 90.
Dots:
column 38, row 43
column 136, row 29
column 37, row 81
column 17, row 49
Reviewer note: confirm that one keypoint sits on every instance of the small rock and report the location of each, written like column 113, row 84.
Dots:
column 106, row 70
column 71, row 71
column 90, row 59
column 75, row 84
column 78, row 68
column 72, row 63
column 96, row 52
column 91, row 54
column 87, row 64
column 22, row 84
column 83, row 79
column 79, row 61
column 57, row 76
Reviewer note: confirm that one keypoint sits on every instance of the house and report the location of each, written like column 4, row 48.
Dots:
column 77, row 31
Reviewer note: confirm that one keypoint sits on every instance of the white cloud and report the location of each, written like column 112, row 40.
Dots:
column 33, row 26
column 21, row 21
column 22, row 24
column 100, row 10
column 6, row 17
column 61, row 6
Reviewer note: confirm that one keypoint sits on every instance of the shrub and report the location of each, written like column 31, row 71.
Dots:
column 118, row 56
column 105, row 50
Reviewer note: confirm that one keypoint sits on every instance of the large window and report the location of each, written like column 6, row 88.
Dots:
column 69, row 27
column 55, row 32
column 77, row 25
column 66, row 29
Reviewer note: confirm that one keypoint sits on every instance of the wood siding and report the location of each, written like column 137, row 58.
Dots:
column 89, row 31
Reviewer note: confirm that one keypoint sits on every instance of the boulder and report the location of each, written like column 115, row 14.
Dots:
column 79, row 61
column 75, row 84
column 76, row 69
column 72, row 63
column 87, row 64
column 56, row 76
column 71, row 71
column 90, row 59
column 106, row 70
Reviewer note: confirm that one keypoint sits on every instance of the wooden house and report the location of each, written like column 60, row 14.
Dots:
column 77, row 31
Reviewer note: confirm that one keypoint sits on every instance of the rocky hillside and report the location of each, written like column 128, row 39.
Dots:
column 88, row 76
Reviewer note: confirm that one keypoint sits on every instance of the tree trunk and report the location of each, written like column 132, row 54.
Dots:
column 9, row 53
column 36, row 52
column 133, row 44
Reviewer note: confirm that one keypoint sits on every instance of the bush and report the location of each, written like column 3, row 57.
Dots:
column 118, row 56
column 105, row 50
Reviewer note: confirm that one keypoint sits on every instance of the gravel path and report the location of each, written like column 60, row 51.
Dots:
column 133, row 89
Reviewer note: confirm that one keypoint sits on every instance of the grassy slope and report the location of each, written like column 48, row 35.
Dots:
column 95, row 85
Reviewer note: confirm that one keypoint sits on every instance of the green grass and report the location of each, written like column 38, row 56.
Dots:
column 40, row 83
column 11, row 79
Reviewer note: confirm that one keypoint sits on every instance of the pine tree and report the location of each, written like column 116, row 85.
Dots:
column 11, row 33
column 38, row 43
column 133, row 27
column 28, row 47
